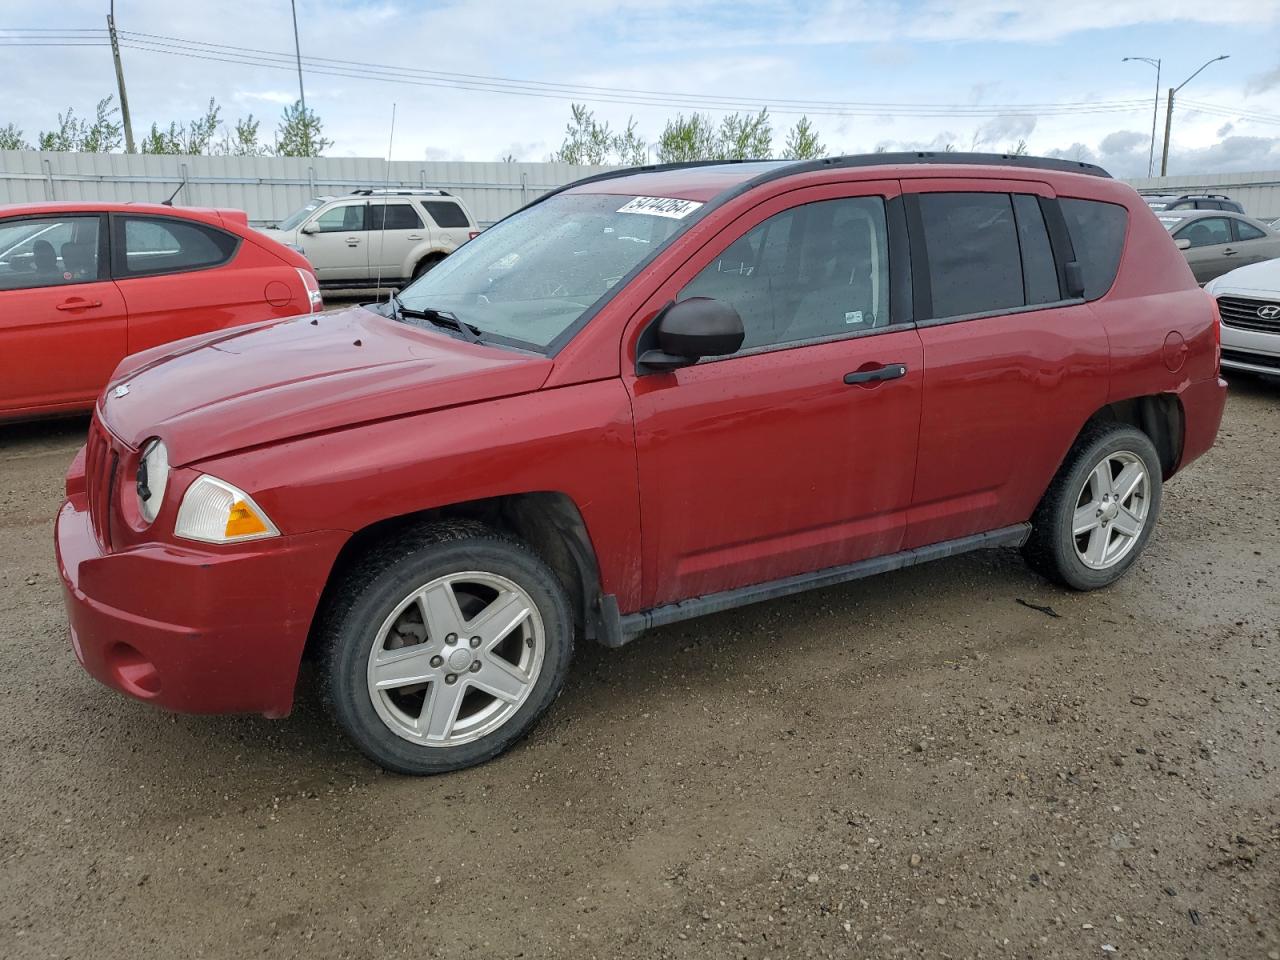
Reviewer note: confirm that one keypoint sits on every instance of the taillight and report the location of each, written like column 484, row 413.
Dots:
column 473, row 234
column 312, row 286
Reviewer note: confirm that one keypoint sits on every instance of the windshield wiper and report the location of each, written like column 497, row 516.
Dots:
column 441, row 318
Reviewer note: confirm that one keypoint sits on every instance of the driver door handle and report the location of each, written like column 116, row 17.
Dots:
column 888, row 371
column 78, row 303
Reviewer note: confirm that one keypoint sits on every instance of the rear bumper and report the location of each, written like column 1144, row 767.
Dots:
column 1202, row 406
column 188, row 629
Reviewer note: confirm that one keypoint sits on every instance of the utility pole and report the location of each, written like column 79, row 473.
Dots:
column 124, row 97
column 302, row 95
column 1168, row 115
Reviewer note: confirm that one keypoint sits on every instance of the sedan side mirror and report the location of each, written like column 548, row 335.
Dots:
column 310, row 228
column 692, row 329
column 1182, row 243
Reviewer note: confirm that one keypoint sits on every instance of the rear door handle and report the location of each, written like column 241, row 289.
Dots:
column 890, row 371
column 78, row 304
column 415, row 236
column 1228, row 252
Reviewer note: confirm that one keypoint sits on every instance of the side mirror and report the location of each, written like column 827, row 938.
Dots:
column 1182, row 243
column 310, row 228
column 692, row 329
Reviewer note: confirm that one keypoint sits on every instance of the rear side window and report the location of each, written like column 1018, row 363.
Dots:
column 399, row 216
column 1097, row 236
column 154, row 245
column 446, row 213
column 975, row 264
column 1247, row 231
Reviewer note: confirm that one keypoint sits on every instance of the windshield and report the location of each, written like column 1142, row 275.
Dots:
column 292, row 221
column 530, row 277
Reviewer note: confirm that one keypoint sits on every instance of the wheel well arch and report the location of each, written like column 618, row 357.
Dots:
column 428, row 260
column 548, row 522
column 1160, row 416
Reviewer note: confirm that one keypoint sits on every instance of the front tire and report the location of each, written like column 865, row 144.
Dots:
column 1099, row 512
column 444, row 648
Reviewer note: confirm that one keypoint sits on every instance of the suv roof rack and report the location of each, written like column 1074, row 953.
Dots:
column 787, row 168
column 1203, row 196
column 400, row 192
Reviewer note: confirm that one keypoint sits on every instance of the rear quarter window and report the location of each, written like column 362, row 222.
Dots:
column 1097, row 236
column 446, row 213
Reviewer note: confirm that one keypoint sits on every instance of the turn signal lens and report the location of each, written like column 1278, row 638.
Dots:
column 214, row 511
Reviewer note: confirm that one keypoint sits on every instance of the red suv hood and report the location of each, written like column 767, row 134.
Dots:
column 213, row 394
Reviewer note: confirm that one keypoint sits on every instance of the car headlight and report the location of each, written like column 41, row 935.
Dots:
column 214, row 511
column 153, row 478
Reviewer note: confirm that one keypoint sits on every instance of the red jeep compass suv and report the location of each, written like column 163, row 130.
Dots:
column 652, row 394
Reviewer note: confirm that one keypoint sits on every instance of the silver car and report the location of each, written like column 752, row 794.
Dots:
column 1216, row 241
column 1249, row 302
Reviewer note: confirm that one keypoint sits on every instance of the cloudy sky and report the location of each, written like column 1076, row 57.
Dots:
column 990, row 72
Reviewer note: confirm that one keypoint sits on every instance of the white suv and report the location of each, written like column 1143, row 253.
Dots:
column 376, row 236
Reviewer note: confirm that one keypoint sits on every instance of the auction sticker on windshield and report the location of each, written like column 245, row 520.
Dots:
column 660, row 207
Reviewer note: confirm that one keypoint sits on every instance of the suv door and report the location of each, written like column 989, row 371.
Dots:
column 796, row 453
column 62, row 320
column 1208, row 254
column 335, row 240
column 1012, row 366
column 395, row 229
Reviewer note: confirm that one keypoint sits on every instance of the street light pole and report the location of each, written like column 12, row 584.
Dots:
column 1155, row 110
column 302, row 94
column 1168, row 117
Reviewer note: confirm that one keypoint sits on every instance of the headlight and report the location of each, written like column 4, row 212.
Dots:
column 213, row 511
column 153, row 477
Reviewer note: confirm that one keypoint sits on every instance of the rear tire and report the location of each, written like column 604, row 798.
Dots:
column 444, row 647
column 425, row 264
column 1100, row 510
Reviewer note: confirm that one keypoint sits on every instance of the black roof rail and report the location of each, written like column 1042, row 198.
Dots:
column 786, row 168
column 399, row 192
column 1203, row 196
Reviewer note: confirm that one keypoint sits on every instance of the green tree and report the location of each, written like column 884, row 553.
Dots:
column 162, row 141
column 629, row 147
column 1019, row 149
column 11, row 138
column 242, row 140
column 103, row 135
column 300, row 133
column 745, row 137
column 585, row 140
column 803, row 142
column 688, row 139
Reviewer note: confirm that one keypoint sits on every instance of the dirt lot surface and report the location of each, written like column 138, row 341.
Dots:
column 917, row 765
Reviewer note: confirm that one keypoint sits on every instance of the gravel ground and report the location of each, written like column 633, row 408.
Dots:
column 917, row 765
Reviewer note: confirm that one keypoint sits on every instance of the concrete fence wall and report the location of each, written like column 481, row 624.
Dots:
column 268, row 188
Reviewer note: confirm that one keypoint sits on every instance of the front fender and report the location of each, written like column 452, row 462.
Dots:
column 576, row 440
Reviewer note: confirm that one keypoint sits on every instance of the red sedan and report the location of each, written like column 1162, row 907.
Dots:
column 83, row 285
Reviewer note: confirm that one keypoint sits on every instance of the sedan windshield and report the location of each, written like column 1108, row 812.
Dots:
column 531, row 277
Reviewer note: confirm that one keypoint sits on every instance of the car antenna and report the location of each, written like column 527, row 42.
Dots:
column 169, row 202
column 382, row 233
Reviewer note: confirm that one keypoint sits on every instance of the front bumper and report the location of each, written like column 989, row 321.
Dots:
column 190, row 629
column 1252, row 350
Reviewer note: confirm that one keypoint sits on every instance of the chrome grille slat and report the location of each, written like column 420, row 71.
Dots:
column 1242, row 313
